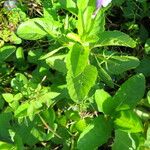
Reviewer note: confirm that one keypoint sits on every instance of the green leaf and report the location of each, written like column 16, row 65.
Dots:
column 31, row 110
column 125, row 141
column 147, row 46
column 148, row 96
column 7, row 146
column 130, row 93
column 57, row 63
column 87, row 18
column 114, row 38
column 147, row 141
column 77, row 59
column 94, row 135
column 105, row 77
column 82, row 4
column 80, row 125
column 18, row 142
column 69, row 5
column 29, row 30
column 6, row 51
column 37, row 28
column 5, row 119
column 119, row 64
column 21, row 111
column 79, row 86
column 24, row 130
column 102, row 99
column 49, row 116
column 144, row 67
column 128, row 121
column 8, row 97
column 19, row 81
column 85, row 10
column 98, row 23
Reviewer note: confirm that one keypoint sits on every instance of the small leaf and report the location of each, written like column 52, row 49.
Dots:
column 19, row 81
column 21, row 111
column 95, row 134
column 114, row 38
column 79, row 86
column 105, row 77
column 128, row 121
column 6, row 51
column 8, row 97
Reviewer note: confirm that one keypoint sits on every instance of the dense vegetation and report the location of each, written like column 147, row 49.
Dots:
column 74, row 75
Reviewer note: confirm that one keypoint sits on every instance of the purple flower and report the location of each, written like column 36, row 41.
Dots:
column 100, row 3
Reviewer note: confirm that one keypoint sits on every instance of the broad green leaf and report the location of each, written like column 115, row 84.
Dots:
column 18, row 142
column 128, row 121
column 29, row 30
column 6, row 51
column 77, row 59
column 130, row 93
column 125, row 141
column 79, row 86
column 119, row 64
column 37, row 28
column 7, row 146
column 114, row 38
column 103, row 99
column 24, row 130
column 95, row 134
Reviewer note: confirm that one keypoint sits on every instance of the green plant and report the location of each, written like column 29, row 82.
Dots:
column 70, row 87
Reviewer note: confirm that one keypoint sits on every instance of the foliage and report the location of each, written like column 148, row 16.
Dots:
column 74, row 75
